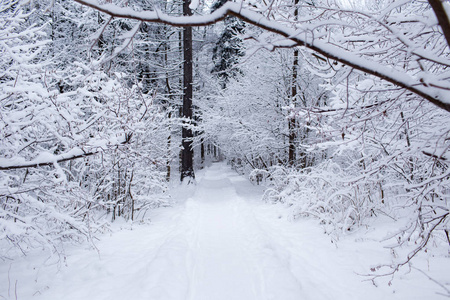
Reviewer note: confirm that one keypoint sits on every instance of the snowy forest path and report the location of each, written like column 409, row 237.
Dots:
column 219, row 241
column 227, row 243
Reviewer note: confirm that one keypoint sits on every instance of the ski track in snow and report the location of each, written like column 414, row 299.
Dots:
column 221, row 243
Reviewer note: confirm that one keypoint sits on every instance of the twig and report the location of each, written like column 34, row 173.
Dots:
column 435, row 281
column 434, row 155
column 396, row 267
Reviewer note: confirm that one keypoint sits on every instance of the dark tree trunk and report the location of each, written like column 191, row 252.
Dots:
column 202, row 152
column 442, row 17
column 168, row 170
column 292, row 121
column 187, row 154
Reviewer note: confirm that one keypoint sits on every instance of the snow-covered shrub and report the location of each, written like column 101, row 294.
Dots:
column 324, row 192
column 41, row 212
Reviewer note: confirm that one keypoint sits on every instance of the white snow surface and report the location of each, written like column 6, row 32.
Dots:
column 218, row 242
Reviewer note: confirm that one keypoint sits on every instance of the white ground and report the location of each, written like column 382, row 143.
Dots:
column 219, row 242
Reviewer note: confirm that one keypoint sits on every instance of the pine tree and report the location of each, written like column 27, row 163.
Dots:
column 228, row 49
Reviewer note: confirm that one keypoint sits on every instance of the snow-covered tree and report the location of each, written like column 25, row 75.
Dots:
column 79, row 141
column 229, row 48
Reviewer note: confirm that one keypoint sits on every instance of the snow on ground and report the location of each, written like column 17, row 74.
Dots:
column 218, row 242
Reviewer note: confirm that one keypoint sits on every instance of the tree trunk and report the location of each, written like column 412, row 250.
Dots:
column 168, row 157
column 292, row 121
column 202, row 152
column 187, row 154
column 442, row 17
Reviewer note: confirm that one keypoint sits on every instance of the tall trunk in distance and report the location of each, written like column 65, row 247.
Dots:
column 292, row 121
column 169, row 142
column 202, row 152
column 187, row 154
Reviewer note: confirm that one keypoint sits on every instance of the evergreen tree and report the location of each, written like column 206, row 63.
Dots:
column 228, row 49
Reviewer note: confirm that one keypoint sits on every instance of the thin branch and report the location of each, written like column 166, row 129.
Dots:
column 434, row 155
column 435, row 281
column 425, row 238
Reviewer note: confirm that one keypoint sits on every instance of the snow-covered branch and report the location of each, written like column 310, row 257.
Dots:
column 432, row 89
column 45, row 159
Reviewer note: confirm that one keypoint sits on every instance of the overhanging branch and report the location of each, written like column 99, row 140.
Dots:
column 429, row 92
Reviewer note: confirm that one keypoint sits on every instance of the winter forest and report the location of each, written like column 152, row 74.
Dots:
column 334, row 114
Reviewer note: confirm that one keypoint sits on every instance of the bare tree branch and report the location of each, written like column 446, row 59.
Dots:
column 434, row 155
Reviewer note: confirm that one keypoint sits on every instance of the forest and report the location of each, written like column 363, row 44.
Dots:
column 338, row 108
